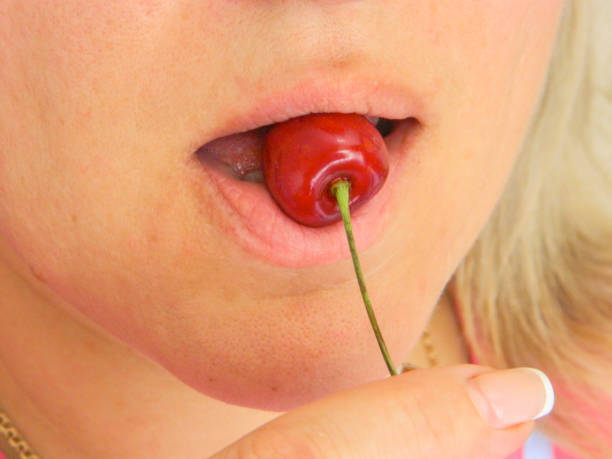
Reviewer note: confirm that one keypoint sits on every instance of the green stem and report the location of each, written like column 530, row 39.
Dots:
column 341, row 190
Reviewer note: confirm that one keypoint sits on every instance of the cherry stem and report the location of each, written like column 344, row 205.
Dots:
column 341, row 191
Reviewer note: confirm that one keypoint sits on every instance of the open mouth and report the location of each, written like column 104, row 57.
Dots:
column 232, row 164
column 225, row 166
column 240, row 154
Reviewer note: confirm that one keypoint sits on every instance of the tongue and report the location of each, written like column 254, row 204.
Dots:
column 241, row 152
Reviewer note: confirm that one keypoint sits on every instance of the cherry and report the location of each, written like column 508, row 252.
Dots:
column 318, row 166
column 303, row 157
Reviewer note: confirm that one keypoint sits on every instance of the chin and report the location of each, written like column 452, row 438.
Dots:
column 280, row 367
column 283, row 388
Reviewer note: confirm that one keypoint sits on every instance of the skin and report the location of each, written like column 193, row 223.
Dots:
column 120, row 283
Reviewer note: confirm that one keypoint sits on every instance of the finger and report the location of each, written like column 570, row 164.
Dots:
column 461, row 412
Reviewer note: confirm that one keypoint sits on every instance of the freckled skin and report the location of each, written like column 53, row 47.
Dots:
column 303, row 157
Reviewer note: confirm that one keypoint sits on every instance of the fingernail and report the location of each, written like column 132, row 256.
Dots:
column 509, row 397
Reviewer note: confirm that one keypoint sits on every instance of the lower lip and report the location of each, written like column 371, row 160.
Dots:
column 257, row 224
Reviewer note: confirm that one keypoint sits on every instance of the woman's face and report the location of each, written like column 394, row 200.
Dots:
column 111, row 214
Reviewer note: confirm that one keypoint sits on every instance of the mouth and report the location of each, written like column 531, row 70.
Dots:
column 230, row 159
column 239, row 154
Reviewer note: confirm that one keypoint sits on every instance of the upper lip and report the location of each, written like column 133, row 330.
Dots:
column 316, row 93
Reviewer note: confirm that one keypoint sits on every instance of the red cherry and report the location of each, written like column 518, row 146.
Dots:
column 303, row 157
column 315, row 166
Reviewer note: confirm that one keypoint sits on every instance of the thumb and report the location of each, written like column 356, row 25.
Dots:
column 461, row 412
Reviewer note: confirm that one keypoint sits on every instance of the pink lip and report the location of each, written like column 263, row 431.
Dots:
column 256, row 222
column 320, row 94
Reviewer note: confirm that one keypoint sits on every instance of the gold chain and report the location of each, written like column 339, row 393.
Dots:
column 14, row 438
column 430, row 352
column 432, row 357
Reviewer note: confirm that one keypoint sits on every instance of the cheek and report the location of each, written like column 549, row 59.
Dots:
column 490, row 67
column 80, row 188
column 493, row 59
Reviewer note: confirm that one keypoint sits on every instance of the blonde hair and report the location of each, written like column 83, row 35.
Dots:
column 536, row 288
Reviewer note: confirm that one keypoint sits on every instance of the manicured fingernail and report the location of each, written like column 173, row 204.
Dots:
column 509, row 397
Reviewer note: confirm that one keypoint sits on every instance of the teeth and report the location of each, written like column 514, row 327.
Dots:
column 253, row 176
column 373, row 119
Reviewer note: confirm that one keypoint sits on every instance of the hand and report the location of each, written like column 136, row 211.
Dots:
column 462, row 411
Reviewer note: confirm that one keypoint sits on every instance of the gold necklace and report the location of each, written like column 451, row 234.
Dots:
column 430, row 352
column 432, row 357
column 19, row 444
column 15, row 439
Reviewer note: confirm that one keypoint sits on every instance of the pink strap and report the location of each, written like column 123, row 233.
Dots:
column 558, row 453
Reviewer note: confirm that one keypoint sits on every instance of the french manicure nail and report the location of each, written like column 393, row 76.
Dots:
column 509, row 397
